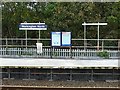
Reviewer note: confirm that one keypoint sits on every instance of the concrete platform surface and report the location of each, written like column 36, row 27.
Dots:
column 56, row 63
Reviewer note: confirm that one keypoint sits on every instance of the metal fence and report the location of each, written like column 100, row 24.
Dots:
column 55, row 53
column 79, row 43
column 21, row 47
column 61, row 74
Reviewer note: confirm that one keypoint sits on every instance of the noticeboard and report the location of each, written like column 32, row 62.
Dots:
column 56, row 38
column 66, row 38
column 60, row 38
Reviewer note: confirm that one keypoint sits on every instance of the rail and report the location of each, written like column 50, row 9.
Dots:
column 111, row 44
column 22, row 47
column 56, row 53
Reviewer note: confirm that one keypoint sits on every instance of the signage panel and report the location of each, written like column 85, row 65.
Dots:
column 66, row 38
column 56, row 38
column 32, row 26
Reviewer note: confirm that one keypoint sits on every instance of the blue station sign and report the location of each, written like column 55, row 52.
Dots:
column 32, row 26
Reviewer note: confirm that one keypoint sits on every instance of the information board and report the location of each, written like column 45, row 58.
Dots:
column 66, row 38
column 56, row 38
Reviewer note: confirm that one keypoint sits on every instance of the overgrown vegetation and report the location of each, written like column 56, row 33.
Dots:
column 103, row 54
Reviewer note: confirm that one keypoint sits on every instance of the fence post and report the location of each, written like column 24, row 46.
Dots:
column 6, row 46
column 118, row 45
column 113, row 74
column 70, row 74
column 70, row 51
column 118, row 49
column 9, row 76
column 51, row 52
column 92, row 76
column 102, row 45
column 29, row 74
column 51, row 75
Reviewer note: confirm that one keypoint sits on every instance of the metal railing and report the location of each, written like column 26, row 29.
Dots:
column 16, row 47
column 54, row 53
column 78, row 43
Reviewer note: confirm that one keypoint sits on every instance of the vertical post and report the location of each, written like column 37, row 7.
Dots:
column 6, row 46
column 6, row 43
column 51, row 52
column 118, row 49
column 113, row 74
column 38, row 37
column 26, row 38
column 98, row 38
column 51, row 75
column 118, row 45
column 70, row 51
column 92, row 75
column 102, row 45
column 85, row 37
column 21, row 42
column 21, row 47
column 70, row 74
column 39, row 34
column 29, row 74
column 9, row 73
column 12, row 42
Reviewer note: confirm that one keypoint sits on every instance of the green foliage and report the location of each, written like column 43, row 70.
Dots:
column 60, row 16
column 103, row 54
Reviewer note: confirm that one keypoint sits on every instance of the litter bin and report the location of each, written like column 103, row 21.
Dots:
column 39, row 48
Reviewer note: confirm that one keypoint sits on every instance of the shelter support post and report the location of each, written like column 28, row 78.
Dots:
column 98, row 39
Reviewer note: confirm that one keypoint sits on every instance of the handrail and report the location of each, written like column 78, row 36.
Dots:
column 76, row 43
column 50, row 39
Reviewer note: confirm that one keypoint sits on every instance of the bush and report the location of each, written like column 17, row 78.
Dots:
column 103, row 54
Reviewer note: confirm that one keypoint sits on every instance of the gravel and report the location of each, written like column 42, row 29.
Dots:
column 43, row 83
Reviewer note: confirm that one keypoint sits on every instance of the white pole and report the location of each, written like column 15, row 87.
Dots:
column 84, row 37
column 26, row 37
column 102, row 45
column 98, row 39
column 39, row 34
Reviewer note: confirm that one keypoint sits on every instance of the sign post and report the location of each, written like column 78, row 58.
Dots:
column 26, row 38
column 32, row 26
